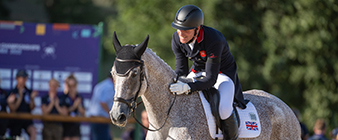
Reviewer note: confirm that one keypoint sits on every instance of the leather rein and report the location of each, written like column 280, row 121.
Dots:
column 132, row 103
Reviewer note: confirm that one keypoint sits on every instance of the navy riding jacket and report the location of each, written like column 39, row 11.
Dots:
column 210, row 54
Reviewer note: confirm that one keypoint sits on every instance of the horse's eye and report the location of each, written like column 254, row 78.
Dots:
column 134, row 73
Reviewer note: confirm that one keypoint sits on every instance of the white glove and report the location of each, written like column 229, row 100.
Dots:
column 180, row 88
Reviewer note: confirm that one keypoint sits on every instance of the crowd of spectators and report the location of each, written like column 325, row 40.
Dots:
column 21, row 99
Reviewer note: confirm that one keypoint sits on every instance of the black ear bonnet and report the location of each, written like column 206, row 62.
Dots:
column 128, row 52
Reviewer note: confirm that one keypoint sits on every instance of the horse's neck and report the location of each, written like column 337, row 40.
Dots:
column 157, row 98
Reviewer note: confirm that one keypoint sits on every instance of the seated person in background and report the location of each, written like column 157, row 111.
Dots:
column 319, row 130
column 21, row 100
column 51, row 105
column 74, row 103
column 3, row 106
column 130, row 134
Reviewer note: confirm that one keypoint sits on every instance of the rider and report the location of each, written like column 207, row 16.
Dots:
column 209, row 51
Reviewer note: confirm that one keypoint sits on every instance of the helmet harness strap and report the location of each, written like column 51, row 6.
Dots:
column 193, row 37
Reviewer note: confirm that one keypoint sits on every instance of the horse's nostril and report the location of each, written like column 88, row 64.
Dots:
column 122, row 118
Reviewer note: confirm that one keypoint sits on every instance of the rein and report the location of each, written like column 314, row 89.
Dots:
column 132, row 104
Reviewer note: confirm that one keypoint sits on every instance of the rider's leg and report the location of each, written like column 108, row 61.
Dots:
column 226, row 89
column 229, row 127
column 229, row 124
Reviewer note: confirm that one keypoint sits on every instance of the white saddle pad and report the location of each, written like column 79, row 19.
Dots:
column 250, row 125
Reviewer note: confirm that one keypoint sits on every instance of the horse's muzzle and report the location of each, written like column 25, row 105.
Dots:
column 118, row 118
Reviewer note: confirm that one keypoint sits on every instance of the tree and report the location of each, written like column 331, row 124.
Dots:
column 301, row 42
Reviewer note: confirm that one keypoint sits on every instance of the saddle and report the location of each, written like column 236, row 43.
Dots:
column 213, row 97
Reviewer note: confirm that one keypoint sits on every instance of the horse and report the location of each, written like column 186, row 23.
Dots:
column 138, row 71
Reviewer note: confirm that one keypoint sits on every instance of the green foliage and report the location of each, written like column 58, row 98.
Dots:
column 288, row 48
column 301, row 41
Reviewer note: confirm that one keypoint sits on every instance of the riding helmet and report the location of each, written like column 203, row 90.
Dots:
column 188, row 17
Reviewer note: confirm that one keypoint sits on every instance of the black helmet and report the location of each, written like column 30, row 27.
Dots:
column 188, row 17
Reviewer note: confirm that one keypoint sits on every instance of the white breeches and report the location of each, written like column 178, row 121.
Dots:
column 226, row 88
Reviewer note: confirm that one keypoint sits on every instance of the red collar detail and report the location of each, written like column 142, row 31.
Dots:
column 200, row 36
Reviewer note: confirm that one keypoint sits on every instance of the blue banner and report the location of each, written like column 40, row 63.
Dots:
column 49, row 51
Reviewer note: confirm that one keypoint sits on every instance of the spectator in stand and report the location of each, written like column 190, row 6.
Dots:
column 101, row 102
column 74, row 103
column 130, row 133
column 51, row 105
column 3, row 106
column 21, row 100
column 319, row 129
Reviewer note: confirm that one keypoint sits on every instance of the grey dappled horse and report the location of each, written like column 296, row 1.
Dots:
column 150, row 77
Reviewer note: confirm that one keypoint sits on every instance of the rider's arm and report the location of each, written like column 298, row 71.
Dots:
column 212, row 67
column 182, row 67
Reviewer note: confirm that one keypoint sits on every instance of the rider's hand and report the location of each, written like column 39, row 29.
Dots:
column 179, row 88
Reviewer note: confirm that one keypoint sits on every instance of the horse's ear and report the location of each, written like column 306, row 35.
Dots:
column 116, row 43
column 139, row 50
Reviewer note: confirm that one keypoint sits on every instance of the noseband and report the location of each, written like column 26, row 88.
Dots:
column 131, row 103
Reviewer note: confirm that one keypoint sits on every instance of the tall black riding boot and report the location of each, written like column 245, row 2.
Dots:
column 229, row 127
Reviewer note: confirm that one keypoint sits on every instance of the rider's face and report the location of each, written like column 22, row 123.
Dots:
column 186, row 35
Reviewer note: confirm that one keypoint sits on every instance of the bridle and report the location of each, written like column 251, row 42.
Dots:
column 132, row 103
